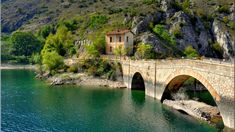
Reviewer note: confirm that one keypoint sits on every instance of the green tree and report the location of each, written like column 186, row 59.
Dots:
column 120, row 51
column 164, row 34
column 145, row 51
column 36, row 58
column 190, row 52
column 99, row 44
column 24, row 43
column 96, row 21
column 45, row 31
column 92, row 51
column 61, row 42
column 52, row 61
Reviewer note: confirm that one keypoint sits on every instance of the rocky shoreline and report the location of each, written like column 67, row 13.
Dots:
column 82, row 79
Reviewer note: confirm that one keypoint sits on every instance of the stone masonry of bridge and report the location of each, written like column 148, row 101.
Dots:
column 217, row 77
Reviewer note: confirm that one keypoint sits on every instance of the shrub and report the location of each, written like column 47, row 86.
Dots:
column 73, row 68
column 217, row 48
column 36, row 58
column 164, row 34
column 185, row 5
column 190, row 52
column 45, row 31
column 176, row 31
column 231, row 24
column 99, row 43
column 149, row 2
column 71, row 24
column 144, row 51
column 92, row 51
column 225, row 19
column 223, row 9
column 176, row 5
column 96, row 21
column 119, row 51
column 52, row 61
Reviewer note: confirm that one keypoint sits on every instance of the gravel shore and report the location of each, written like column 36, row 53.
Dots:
column 7, row 66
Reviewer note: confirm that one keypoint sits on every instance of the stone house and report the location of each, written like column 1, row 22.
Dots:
column 124, row 38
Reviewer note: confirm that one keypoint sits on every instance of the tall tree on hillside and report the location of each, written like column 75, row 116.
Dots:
column 24, row 43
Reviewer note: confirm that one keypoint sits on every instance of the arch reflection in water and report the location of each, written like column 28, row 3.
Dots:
column 137, row 82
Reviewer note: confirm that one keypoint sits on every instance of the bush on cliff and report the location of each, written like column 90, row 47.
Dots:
column 164, row 34
column 145, row 51
column 190, row 52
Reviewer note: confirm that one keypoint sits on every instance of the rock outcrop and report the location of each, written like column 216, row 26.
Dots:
column 141, row 25
column 196, row 109
column 84, row 80
column 223, row 37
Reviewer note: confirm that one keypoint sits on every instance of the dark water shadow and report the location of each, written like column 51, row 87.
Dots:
column 138, row 97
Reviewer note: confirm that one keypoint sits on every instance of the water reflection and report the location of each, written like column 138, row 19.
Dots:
column 138, row 97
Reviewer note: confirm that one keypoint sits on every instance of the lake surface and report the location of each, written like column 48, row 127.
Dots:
column 31, row 105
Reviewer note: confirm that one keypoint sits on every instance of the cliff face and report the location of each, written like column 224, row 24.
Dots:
column 207, row 26
column 201, row 31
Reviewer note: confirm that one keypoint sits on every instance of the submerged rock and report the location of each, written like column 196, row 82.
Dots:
column 196, row 109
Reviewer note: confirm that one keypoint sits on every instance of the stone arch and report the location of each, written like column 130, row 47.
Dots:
column 137, row 82
column 176, row 79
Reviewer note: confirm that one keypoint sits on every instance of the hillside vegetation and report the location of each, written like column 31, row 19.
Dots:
column 171, row 28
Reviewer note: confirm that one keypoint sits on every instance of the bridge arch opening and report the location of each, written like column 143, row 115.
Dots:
column 137, row 82
column 186, row 88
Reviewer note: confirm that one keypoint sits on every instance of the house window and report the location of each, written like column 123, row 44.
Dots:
column 127, row 39
column 111, row 39
column 111, row 49
column 120, row 39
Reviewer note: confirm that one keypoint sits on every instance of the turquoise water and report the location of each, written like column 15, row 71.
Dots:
column 31, row 105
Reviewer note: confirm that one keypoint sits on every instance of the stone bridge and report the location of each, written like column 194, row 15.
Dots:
column 158, row 75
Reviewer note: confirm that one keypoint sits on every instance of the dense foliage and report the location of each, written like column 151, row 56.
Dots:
column 164, row 34
column 120, row 51
column 145, row 51
column 61, row 42
column 24, row 43
column 52, row 61
column 190, row 52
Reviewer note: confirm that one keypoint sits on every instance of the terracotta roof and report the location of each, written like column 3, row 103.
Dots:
column 118, row 32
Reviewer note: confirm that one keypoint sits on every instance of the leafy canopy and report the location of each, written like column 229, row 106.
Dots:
column 24, row 43
column 52, row 61
column 145, row 51
column 120, row 51
column 61, row 42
